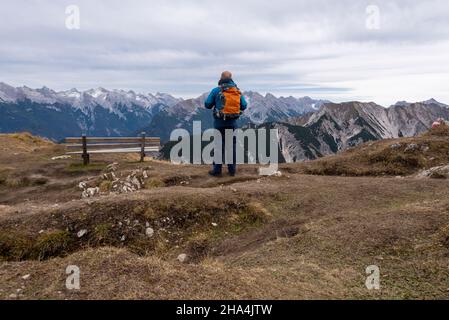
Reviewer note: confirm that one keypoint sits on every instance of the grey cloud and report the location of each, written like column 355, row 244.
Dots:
column 181, row 46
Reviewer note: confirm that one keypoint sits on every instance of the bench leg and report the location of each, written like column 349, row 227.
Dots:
column 85, row 159
column 142, row 148
column 85, row 154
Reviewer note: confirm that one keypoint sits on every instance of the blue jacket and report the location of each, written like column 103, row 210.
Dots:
column 213, row 100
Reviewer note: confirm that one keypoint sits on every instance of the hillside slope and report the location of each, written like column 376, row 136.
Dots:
column 396, row 157
column 287, row 237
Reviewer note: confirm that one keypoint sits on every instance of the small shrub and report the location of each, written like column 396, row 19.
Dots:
column 17, row 182
column 138, row 209
column 250, row 214
column 14, row 246
column 52, row 244
column 153, row 183
column 198, row 246
column 105, row 186
column 149, row 214
column 103, row 232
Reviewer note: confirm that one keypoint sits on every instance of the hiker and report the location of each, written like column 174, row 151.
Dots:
column 228, row 103
column 436, row 124
column 439, row 122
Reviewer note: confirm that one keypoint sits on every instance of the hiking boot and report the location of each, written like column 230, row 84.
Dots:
column 214, row 174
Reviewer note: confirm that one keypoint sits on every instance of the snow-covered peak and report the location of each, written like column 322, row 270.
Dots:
column 97, row 93
column 8, row 93
column 271, row 108
column 86, row 100
column 72, row 93
column 43, row 96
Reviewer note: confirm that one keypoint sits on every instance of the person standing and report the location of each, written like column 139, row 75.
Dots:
column 228, row 103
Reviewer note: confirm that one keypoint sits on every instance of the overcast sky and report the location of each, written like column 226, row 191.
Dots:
column 328, row 49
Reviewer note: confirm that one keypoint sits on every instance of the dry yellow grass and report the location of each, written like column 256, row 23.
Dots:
column 393, row 157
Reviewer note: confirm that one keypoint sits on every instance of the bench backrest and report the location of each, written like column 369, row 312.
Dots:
column 90, row 145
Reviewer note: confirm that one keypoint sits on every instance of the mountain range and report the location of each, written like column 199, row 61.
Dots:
column 337, row 127
column 308, row 128
column 56, row 115
column 102, row 112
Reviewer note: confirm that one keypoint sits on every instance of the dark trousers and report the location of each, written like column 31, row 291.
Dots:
column 233, row 166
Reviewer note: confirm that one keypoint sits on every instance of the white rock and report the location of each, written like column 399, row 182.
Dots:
column 90, row 192
column 61, row 157
column 214, row 224
column 440, row 170
column 136, row 182
column 265, row 172
column 81, row 233
column 411, row 147
column 123, row 238
column 182, row 258
column 395, row 146
column 27, row 276
column 149, row 232
column 82, row 185
column 112, row 166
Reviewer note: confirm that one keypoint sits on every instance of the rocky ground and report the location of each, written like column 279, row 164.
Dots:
column 154, row 230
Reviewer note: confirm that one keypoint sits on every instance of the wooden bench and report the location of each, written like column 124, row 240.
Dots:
column 95, row 145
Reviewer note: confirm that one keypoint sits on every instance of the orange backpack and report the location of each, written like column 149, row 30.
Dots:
column 230, row 100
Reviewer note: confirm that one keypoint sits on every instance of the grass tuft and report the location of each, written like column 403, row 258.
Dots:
column 154, row 183
column 52, row 244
